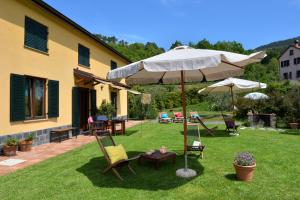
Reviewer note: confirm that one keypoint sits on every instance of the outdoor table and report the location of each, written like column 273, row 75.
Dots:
column 61, row 133
column 100, row 127
column 158, row 157
column 114, row 122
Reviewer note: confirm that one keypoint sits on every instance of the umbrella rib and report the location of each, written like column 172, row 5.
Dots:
column 161, row 78
column 204, row 77
column 232, row 64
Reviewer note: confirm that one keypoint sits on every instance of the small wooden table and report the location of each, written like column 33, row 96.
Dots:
column 113, row 126
column 158, row 157
column 60, row 133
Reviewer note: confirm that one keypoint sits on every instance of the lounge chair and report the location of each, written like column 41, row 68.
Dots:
column 193, row 116
column 164, row 118
column 209, row 131
column 105, row 141
column 231, row 126
column 178, row 117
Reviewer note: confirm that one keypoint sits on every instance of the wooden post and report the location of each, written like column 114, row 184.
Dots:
column 184, row 111
column 232, row 100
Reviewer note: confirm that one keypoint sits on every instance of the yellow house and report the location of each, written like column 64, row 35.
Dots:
column 52, row 71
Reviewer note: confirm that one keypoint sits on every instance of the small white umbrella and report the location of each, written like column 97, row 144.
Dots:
column 256, row 96
column 185, row 64
column 233, row 85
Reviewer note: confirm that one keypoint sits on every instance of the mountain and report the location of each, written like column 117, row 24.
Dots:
column 281, row 44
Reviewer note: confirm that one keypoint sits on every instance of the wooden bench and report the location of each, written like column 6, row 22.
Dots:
column 61, row 133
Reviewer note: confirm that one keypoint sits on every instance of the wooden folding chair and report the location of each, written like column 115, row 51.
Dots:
column 105, row 141
column 230, row 124
column 207, row 130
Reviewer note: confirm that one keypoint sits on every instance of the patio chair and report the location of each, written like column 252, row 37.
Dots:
column 230, row 124
column 178, row 117
column 106, row 140
column 209, row 131
column 164, row 118
column 193, row 117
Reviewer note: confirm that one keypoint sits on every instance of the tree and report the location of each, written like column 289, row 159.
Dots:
column 176, row 44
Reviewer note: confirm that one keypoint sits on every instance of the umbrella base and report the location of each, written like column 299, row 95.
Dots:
column 186, row 173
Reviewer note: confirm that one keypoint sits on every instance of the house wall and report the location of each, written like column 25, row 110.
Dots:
column 58, row 64
column 292, row 67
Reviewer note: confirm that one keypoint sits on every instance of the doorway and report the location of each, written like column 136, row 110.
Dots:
column 80, row 108
column 114, row 103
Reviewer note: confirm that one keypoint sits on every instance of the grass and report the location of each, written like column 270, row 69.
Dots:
column 77, row 174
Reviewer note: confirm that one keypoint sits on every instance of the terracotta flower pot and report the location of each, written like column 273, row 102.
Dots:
column 244, row 173
column 25, row 145
column 9, row 150
column 294, row 125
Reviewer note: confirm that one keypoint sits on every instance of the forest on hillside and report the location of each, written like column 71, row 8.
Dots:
column 284, row 98
column 266, row 71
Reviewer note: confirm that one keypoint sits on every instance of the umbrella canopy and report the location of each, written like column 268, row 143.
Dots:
column 256, row 96
column 198, row 65
column 185, row 64
column 237, row 85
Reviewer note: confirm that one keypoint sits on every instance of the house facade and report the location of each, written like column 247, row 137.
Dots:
column 290, row 63
column 53, row 72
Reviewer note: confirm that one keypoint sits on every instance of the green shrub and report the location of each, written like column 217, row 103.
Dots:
column 11, row 141
column 30, row 137
column 106, row 109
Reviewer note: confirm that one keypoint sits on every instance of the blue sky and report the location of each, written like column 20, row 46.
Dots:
column 251, row 22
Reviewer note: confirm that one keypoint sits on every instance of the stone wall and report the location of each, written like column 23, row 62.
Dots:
column 41, row 136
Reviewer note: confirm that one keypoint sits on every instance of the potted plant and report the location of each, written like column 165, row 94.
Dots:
column 106, row 109
column 244, row 164
column 25, row 145
column 10, row 147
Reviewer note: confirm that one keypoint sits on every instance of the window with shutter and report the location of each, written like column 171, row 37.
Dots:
column 36, row 35
column 34, row 92
column 83, row 55
column 113, row 65
column 53, row 98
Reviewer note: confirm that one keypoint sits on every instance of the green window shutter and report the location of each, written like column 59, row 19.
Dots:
column 75, row 108
column 53, row 98
column 17, row 97
column 83, row 55
column 36, row 35
column 93, row 103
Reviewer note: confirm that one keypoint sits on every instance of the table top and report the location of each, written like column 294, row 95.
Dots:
column 158, row 156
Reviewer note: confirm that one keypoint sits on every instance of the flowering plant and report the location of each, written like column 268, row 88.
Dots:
column 244, row 159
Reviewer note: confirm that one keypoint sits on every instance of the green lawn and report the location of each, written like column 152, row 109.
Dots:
column 77, row 174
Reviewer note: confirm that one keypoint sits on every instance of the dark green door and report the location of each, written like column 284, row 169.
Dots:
column 76, row 109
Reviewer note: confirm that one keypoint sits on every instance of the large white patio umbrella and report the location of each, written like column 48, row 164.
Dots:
column 256, row 96
column 185, row 64
column 233, row 85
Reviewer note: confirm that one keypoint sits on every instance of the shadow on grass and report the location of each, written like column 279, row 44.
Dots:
column 231, row 177
column 130, row 132
column 291, row 132
column 146, row 178
column 217, row 133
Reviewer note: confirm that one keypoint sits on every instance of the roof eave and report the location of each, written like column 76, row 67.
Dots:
column 78, row 27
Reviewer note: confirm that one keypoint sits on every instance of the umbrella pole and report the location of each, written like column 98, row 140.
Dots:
column 185, row 172
column 232, row 100
column 184, row 115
